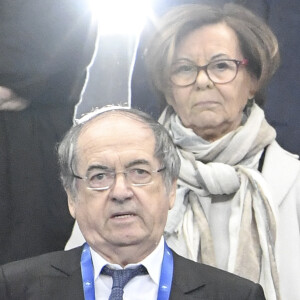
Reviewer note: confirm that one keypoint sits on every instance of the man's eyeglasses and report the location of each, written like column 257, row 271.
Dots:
column 219, row 71
column 103, row 180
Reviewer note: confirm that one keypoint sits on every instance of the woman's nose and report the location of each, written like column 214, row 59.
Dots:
column 202, row 80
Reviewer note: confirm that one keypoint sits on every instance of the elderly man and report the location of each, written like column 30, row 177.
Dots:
column 119, row 169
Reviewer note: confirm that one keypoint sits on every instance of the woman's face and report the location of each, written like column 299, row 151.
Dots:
column 211, row 109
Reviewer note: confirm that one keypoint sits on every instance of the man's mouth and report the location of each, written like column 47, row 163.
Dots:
column 122, row 215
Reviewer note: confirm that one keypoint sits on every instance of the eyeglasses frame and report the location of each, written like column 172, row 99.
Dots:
column 115, row 175
column 243, row 62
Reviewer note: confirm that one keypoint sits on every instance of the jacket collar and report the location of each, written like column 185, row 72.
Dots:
column 69, row 263
column 66, row 281
column 68, row 274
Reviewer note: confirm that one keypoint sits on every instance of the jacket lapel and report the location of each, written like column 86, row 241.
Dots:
column 186, row 279
column 64, row 281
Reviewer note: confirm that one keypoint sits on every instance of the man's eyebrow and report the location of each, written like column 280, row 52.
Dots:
column 128, row 165
column 97, row 167
column 137, row 162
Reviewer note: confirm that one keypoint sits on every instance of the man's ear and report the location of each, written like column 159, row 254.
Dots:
column 172, row 194
column 71, row 204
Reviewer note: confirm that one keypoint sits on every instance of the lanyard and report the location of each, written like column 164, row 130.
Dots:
column 166, row 275
column 87, row 271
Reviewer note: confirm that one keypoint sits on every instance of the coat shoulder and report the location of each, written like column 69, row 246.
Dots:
column 200, row 280
column 64, row 261
column 55, row 275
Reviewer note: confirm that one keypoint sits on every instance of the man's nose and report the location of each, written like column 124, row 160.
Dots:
column 121, row 190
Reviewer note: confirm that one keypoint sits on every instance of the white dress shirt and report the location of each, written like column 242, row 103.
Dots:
column 140, row 287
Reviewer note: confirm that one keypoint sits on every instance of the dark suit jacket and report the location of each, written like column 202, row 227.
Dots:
column 57, row 276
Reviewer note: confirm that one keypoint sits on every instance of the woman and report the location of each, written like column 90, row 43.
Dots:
column 238, row 203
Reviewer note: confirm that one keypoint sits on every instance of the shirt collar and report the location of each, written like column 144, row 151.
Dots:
column 150, row 262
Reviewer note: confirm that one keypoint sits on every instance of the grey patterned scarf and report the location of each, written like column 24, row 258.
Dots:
column 226, row 167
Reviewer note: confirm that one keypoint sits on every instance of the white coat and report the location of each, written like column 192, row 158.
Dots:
column 282, row 171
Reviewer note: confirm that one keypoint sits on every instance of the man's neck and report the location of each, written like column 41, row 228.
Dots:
column 126, row 255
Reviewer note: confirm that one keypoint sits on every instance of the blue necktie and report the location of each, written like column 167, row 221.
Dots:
column 120, row 279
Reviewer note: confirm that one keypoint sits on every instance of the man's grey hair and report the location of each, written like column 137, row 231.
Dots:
column 164, row 150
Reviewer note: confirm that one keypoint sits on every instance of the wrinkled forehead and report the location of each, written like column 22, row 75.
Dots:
column 115, row 138
column 215, row 33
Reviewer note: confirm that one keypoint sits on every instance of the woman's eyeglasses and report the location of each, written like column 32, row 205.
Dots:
column 220, row 71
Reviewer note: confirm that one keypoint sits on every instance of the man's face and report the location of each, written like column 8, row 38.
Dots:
column 123, row 215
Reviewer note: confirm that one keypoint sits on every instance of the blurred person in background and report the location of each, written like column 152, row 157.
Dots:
column 45, row 49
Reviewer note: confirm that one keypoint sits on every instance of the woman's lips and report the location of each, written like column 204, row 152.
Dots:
column 206, row 103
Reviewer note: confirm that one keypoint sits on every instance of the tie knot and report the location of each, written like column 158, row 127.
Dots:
column 121, row 277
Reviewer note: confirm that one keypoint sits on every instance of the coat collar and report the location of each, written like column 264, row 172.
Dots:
column 185, row 279
column 66, row 281
column 281, row 170
column 68, row 263
column 66, row 267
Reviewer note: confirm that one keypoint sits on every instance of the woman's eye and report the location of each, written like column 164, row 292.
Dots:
column 221, row 66
column 183, row 69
